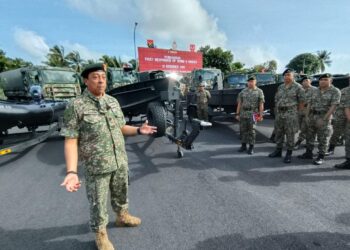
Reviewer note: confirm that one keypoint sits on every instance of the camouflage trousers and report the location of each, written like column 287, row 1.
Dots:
column 338, row 130
column 286, row 124
column 321, row 128
column 347, row 140
column 202, row 113
column 302, row 127
column 97, row 187
column 247, row 130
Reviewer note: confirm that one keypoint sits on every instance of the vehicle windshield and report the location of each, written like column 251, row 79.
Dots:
column 207, row 76
column 56, row 76
column 265, row 78
column 235, row 81
column 121, row 78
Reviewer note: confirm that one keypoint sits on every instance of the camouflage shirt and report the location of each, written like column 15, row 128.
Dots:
column 322, row 101
column 290, row 96
column 250, row 100
column 308, row 93
column 202, row 98
column 345, row 97
column 96, row 123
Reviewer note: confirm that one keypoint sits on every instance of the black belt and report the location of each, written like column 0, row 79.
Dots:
column 247, row 108
column 285, row 108
column 316, row 112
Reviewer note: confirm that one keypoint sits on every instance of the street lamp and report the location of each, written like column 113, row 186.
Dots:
column 135, row 44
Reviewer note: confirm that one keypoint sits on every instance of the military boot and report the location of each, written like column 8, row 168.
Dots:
column 297, row 144
column 276, row 153
column 307, row 155
column 288, row 157
column 124, row 219
column 343, row 165
column 102, row 241
column 251, row 149
column 319, row 159
column 242, row 148
column 330, row 150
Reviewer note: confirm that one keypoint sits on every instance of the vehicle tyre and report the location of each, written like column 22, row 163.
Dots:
column 156, row 116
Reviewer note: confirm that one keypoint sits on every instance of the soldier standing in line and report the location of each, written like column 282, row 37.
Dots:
column 94, row 128
column 250, row 102
column 345, row 100
column 319, row 111
column 308, row 88
column 338, row 122
column 290, row 98
column 202, row 98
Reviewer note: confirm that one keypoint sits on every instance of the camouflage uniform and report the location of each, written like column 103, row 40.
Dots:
column 302, row 116
column 346, row 102
column 250, row 100
column 320, row 104
column 96, row 123
column 286, row 123
column 339, row 119
column 202, row 98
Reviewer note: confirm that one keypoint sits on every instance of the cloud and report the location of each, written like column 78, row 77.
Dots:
column 84, row 52
column 185, row 21
column 31, row 43
column 253, row 55
column 340, row 64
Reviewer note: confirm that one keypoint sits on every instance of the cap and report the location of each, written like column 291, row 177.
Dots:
column 304, row 77
column 326, row 75
column 287, row 71
column 251, row 77
column 92, row 68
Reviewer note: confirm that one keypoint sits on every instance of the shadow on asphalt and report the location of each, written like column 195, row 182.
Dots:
column 13, row 157
column 52, row 152
column 290, row 241
column 46, row 238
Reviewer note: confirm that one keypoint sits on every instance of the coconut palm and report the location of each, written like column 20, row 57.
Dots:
column 56, row 57
column 324, row 58
column 75, row 61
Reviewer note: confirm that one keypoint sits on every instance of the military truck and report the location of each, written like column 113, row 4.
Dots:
column 54, row 83
column 117, row 77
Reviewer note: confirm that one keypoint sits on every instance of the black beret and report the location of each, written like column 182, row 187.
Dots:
column 326, row 75
column 305, row 77
column 251, row 77
column 287, row 71
column 92, row 68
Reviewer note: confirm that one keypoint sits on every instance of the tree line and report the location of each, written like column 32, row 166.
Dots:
column 307, row 63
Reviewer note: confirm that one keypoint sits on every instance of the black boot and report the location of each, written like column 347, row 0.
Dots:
column 307, row 155
column 319, row 159
column 288, row 157
column 276, row 153
column 330, row 150
column 297, row 144
column 251, row 149
column 343, row 165
column 243, row 148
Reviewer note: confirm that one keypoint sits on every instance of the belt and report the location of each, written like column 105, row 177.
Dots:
column 285, row 108
column 247, row 108
column 305, row 105
column 316, row 112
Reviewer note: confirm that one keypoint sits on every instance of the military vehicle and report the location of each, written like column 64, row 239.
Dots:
column 117, row 77
column 35, row 96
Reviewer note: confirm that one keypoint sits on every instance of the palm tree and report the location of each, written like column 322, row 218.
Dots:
column 75, row 61
column 111, row 61
column 56, row 57
column 324, row 58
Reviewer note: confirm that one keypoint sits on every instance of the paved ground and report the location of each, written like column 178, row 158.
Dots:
column 213, row 198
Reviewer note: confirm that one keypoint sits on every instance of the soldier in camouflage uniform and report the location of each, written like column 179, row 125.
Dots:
column 202, row 99
column 289, row 99
column 322, row 105
column 308, row 88
column 345, row 100
column 94, row 127
column 338, row 122
column 250, row 101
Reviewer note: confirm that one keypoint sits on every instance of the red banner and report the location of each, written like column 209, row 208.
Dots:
column 169, row 60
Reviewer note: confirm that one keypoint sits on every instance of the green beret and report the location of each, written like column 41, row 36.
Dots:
column 92, row 68
column 305, row 77
column 326, row 75
column 287, row 71
column 251, row 77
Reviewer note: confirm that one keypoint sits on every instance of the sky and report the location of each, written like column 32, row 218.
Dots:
column 254, row 30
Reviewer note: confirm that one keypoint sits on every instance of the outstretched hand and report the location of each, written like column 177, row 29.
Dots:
column 71, row 182
column 145, row 129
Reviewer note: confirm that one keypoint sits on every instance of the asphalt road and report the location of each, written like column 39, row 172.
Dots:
column 213, row 198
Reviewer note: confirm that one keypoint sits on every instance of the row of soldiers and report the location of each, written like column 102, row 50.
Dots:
column 299, row 107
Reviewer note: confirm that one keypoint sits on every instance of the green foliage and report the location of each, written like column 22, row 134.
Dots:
column 217, row 58
column 75, row 61
column 7, row 63
column 268, row 66
column 324, row 58
column 306, row 63
column 111, row 61
column 56, row 57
